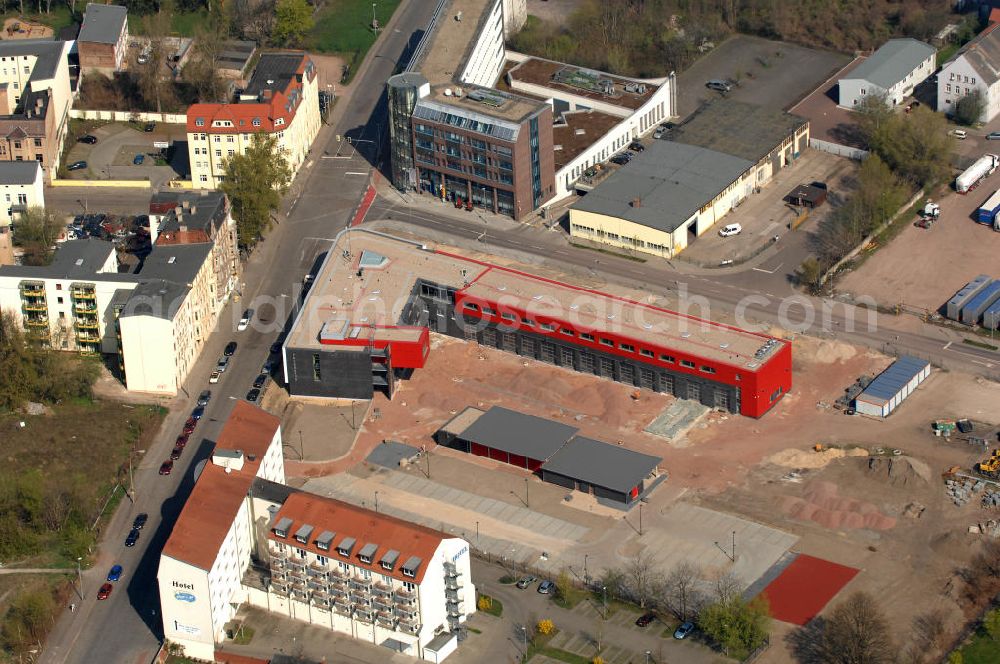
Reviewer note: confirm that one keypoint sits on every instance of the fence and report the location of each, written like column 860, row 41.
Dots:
column 840, row 150
column 128, row 116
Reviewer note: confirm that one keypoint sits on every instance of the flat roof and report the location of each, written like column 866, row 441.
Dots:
column 462, row 421
column 102, row 24
column 578, row 132
column 892, row 62
column 518, row 433
column 735, row 128
column 892, row 380
column 671, row 182
column 601, row 464
column 380, row 296
column 560, row 77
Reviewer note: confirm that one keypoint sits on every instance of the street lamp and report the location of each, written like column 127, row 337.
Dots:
column 374, row 20
column 648, row 653
column 376, row 502
column 79, row 579
column 586, row 576
column 524, row 640
column 526, row 502
column 604, row 591
column 477, row 533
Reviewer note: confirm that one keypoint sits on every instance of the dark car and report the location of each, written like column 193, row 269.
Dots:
column 645, row 619
column 204, row 397
column 253, row 395
column 166, row 467
column 175, row 453
column 546, row 587
column 105, row 591
column 190, row 425
column 620, row 159
column 140, row 521
column 77, row 166
column 198, row 413
column 150, row 126
column 230, row 349
column 259, row 381
column 636, row 146
column 89, row 139
column 182, row 440
column 139, row 158
column 115, row 573
column 132, row 538
column 275, row 348
column 683, row 631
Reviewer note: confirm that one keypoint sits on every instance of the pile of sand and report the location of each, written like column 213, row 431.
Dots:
column 822, row 505
column 830, row 352
column 793, row 458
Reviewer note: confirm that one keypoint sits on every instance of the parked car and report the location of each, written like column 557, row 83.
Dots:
column 546, row 587
column 204, row 397
column 230, row 349
column 267, row 367
column 683, row 630
column 190, row 424
column 182, row 440
column 730, row 230
column 636, row 146
column 214, row 378
column 275, row 348
column 245, row 320
column 525, row 581
column 645, row 619
column 144, row 57
column 259, row 381
column 621, row 159
column 993, row 136
column 140, row 521
column 115, row 573
column 719, row 86
column 253, row 395
column 149, row 127
column 166, row 467
column 105, row 591
column 89, row 139
column 960, row 134
column 139, row 158
column 133, row 537
column 77, row 166
column 175, row 453
column 223, row 364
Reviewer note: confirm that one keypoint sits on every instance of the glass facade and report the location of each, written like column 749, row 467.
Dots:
column 536, row 166
column 402, row 91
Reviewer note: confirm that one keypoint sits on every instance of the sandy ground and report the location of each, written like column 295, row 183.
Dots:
column 28, row 30
column 330, row 68
column 923, row 268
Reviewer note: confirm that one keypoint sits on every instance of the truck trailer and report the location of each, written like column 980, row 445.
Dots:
column 971, row 176
column 987, row 212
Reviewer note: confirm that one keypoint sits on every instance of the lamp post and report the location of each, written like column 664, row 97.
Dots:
column 79, row 579
column 374, row 20
column 524, row 641
column 604, row 591
column 640, row 519
column 648, row 653
column 526, row 502
column 477, row 533
column 586, row 576
column 376, row 502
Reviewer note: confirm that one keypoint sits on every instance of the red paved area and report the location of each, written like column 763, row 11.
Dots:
column 805, row 587
column 366, row 203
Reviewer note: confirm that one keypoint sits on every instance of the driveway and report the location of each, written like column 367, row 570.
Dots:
column 118, row 144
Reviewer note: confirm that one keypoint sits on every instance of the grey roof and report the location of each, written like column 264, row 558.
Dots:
column 284, row 523
column 303, row 533
column 76, row 259
column 517, row 433
column 272, row 492
column 368, row 550
column 175, row 262
column 19, row 172
column 47, row 52
column 435, row 644
column 412, row 564
column 325, row 539
column 892, row 380
column 274, row 71
column 891, row 63
column 156, row 297
column 102, row 24
column 601, row 464
column 390, row 557
column 983, row 55
column 204, row 210
column 742, row 130
column 347, row 544
column 671, row 181
column 407, row 79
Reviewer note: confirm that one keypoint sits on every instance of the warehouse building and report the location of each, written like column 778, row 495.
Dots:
column 366, row 320
column 676, row 190
column 892, row 72
column 613, row 474
column 892, row 386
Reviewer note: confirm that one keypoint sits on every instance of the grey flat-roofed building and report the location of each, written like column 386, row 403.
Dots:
column 608, row 471
column 954, row 307
column 893, row 71
column 665, row 185
column 887, row 391
column 515, row 438
column 742, row 130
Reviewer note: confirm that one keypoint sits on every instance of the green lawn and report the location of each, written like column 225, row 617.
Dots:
column 182, row 24
column 59, row 18
column 980, row 650
column 344, row 27
column 495, row 607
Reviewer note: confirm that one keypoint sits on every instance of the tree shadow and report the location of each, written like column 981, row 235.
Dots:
column 806, row 643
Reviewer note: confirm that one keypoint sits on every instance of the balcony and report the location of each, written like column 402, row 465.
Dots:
column 456, row 609
column 382, row 590
column 276, row 554
column 280, row 589
column 315, row 585
column 322, row 602
column 33, row 290
column 361, row 584
column 336, row 592
column 409, row 626
column 382, row 604
column 316, row 567
column 86, row 337
column 362, row 598
column 313, row 571
column 343, row 608
column 404, row 595
column 452, row 583
column 85, row 323
column 34, row 305
column 297, row 565
column 387, row 619
column 452, row 595
column 85, row 307
column 337, row 574
column 363, row 613
column 83, row 294
column 36, row 321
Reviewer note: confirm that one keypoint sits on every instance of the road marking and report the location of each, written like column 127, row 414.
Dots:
column 334, row 157
column 947, row 345
column 760, row 269
column 354, row 173
column 988, row 365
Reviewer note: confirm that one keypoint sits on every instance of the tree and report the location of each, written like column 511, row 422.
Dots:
column 546, row 627
column 292, row 20
column 252, row 19
column 809, row 274
column 641, row 578
column 737, row 625
column 202, row 68
column 680, row 593
column 255, row 182
column 991, row 623
column 970, row 107
column 856, row 632
column 36, row 232
column 874, row 117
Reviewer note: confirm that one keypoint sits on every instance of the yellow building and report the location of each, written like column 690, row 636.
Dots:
column 280, row 100
column 678, row 189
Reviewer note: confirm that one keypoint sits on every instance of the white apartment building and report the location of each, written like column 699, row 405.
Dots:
column 281, row 99
column 976, row 66
column 893, row 71
column 21, row 187
column 367, row 575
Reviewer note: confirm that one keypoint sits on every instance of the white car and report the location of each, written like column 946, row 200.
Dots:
column 245, row 321
column 960, row 134
column 214, row 378
column 731, row 229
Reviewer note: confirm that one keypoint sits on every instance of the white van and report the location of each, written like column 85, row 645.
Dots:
column 731, row 229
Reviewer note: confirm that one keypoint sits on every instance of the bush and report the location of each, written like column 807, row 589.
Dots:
column 546, row 627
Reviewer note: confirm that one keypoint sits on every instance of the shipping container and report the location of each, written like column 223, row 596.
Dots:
column 991, row 317
column 885, row 393
column 969, row 290
column 987, row 212
column 979, row 303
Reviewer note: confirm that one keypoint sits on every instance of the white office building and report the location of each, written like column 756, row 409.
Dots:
column 893, row 71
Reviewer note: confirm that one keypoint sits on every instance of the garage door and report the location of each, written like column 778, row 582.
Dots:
column 510, row 342
column 548, row 353
column 527, row 346
column 722, row 399
column 565, row 357
column 586, row 363
column 694, row 391
column 607, row 368
column 666, row 383
column 626, row 373
column 490, row 337
column 646, row 378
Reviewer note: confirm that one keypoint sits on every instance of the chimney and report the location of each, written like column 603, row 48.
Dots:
column 194, row 208
column 39, row 102
column 178, row 210
column 186, row 205
column 266, row 94
column 637, row 202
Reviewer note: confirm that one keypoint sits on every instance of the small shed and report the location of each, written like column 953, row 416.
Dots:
column 806, row 195
column 892, row 386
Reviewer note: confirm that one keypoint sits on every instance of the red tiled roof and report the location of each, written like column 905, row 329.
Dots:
column 365, row 526
column 211, row 508
column 995, row 15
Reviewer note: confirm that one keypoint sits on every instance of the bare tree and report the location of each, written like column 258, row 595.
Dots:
column 856, row 632
column 202, row 69
column 680, row 590
column 641, row 577
column 926, row 637
column 727, row 586
column 252, row 19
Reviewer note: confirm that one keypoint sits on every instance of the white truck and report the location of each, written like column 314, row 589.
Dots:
column 971, row 176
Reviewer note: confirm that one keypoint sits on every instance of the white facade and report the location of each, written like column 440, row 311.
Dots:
column 853, row 89
column 958, row 78
column 880, row 406
column 19, row 196
column 488, row 54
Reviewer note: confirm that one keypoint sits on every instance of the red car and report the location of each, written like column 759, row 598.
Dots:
column 182, row 440
column 175, row 454
column 190, row 425
column 166, row 467
column 105, row 591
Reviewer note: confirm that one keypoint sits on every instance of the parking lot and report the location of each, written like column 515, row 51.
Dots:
column 767, row 73
column 766, row 215
column 112, row 157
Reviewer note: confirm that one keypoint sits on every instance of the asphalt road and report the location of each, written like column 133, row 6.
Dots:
column 126, row 627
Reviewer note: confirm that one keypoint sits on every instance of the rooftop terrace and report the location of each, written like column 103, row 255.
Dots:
column 582, row 82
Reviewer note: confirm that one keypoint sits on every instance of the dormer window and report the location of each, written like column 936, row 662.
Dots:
column 411, row 566
column 199, row 122
column 367, row 552
column 389, row 559
column 256, row 122
column 345, row 547
column 303, row 533
column 279, row 122
column 282, row 527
